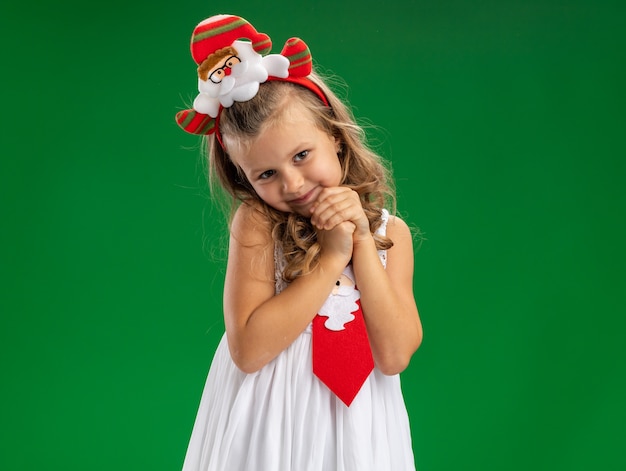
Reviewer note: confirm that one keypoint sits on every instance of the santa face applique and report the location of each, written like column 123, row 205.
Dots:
column 234, row 74
column 341, row 302
column 225, row 59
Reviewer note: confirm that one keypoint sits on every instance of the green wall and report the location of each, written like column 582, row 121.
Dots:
column 505, row 124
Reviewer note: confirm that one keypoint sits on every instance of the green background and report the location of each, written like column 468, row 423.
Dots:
column 504, row 121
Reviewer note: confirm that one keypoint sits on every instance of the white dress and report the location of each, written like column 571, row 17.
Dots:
column 283, row 418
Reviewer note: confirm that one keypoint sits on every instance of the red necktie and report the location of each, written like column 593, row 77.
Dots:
column 342, row 356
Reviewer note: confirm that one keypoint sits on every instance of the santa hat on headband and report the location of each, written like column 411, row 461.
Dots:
column 236, row 76
column 222, row 31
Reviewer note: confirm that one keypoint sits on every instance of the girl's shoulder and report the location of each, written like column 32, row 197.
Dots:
column 397, row 228
column 250, row 226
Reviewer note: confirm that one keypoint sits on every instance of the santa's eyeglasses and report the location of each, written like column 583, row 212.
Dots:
column 218, row 74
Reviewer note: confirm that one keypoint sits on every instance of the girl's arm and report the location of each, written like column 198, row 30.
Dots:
column 387, row 299
column 260, row 324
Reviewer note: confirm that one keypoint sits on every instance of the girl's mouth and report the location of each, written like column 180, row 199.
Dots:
column 304, row 199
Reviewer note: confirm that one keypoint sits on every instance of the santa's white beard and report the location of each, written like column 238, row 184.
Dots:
column 339, row 308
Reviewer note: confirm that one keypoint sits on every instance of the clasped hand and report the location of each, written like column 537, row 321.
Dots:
column 339, row 220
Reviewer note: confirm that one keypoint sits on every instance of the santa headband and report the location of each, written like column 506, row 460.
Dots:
column 233, row 60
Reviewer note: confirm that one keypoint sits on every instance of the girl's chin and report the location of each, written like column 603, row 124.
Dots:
column 301, row 209
column 304, row 211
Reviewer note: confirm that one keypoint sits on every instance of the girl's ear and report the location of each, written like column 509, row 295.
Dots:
column 338, row 146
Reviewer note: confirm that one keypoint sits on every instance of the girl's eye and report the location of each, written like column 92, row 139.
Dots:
column 267, row 174
column 301, row 155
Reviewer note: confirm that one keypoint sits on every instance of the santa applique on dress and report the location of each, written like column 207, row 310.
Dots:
column 233, row 60
column 342, row 356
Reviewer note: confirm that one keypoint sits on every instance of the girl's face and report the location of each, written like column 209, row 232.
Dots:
column 290, row 162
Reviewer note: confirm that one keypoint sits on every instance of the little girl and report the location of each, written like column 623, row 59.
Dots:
column 318, row 297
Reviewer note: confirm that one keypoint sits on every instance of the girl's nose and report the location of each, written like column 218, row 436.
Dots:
column 292, row 181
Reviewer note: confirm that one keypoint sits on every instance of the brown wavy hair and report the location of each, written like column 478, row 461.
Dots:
column 362, row 169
